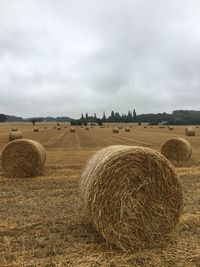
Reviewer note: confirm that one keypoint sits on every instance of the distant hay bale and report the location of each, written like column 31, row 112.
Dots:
column 171, row 128
column 58, row 128
column 190, row 131
column 36, row 129
column 133, row 196
column 161, row 127
column 127, row 129
column 72, row 130
column 45, row 127
column 119, row 127
column 176, row 149
column 115, row 130
column 14, row 129
column 23, row 158
column 87, row 128
column 15, row 135
column 145, row 126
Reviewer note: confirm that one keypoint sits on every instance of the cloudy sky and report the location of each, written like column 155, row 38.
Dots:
column 65, row 57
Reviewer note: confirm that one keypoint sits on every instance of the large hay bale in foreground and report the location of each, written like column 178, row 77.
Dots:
column 133, row 196
column 115, row 130
column 177, row 149
column 14, row 135
column 190, row 131
column 23, row 158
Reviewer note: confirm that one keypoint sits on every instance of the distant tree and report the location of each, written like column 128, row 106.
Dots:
column 86, row 116
column 134, row 114
column 33, row 121
column 82, row 117
column 3, row 118
column 104, row 117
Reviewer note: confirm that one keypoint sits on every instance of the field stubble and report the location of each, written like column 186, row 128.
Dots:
column 43, row 221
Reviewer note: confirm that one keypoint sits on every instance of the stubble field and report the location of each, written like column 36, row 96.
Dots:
column 43, row 221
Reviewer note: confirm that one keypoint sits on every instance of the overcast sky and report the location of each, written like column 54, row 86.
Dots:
column 65, row 57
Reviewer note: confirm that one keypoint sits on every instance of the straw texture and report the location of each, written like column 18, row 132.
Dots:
column 133, row 196
column 23, row 158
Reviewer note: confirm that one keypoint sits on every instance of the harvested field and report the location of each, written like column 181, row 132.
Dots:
column 43, row 221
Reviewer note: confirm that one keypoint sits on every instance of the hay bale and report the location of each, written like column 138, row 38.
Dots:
column 72, row 130
column 14, row 129
column 115, row 130
column 170, row 128
column 23, row 158
column 120, row 127
column 133, row 196
column 176, row 149
column 58, row 128
column 87, row 128
column 45, row 127
column 190, row 131
column 15, row 135
column 127, row 129
column 36, row 130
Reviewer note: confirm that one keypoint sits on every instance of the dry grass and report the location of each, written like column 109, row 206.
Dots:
column 43, row 221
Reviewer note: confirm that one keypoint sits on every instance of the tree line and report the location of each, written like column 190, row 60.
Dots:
column 177, row 117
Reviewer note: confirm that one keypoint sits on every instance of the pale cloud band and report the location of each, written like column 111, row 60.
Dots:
column 66, row 57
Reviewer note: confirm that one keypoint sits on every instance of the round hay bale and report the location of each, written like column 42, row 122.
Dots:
column 127, row 129
column 15, row 135
column 190, row 131
column 176, row 149
column 120, row 127
column 36, row 129
column 45, row 127
column 87, row 128
column 115, row 130
column 58, row 128
column 133, row 196
column 23, row 158
column 14, row 129
column 170, row 128
column 72, row 130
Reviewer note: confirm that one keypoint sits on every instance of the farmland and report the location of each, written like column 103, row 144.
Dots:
column 43, row 221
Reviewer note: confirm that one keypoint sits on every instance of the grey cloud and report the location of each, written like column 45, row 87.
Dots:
column 67, row 57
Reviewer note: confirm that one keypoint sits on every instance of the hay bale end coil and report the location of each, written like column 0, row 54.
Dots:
column 177, row 149
column 133, row 196
column 23, row 158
